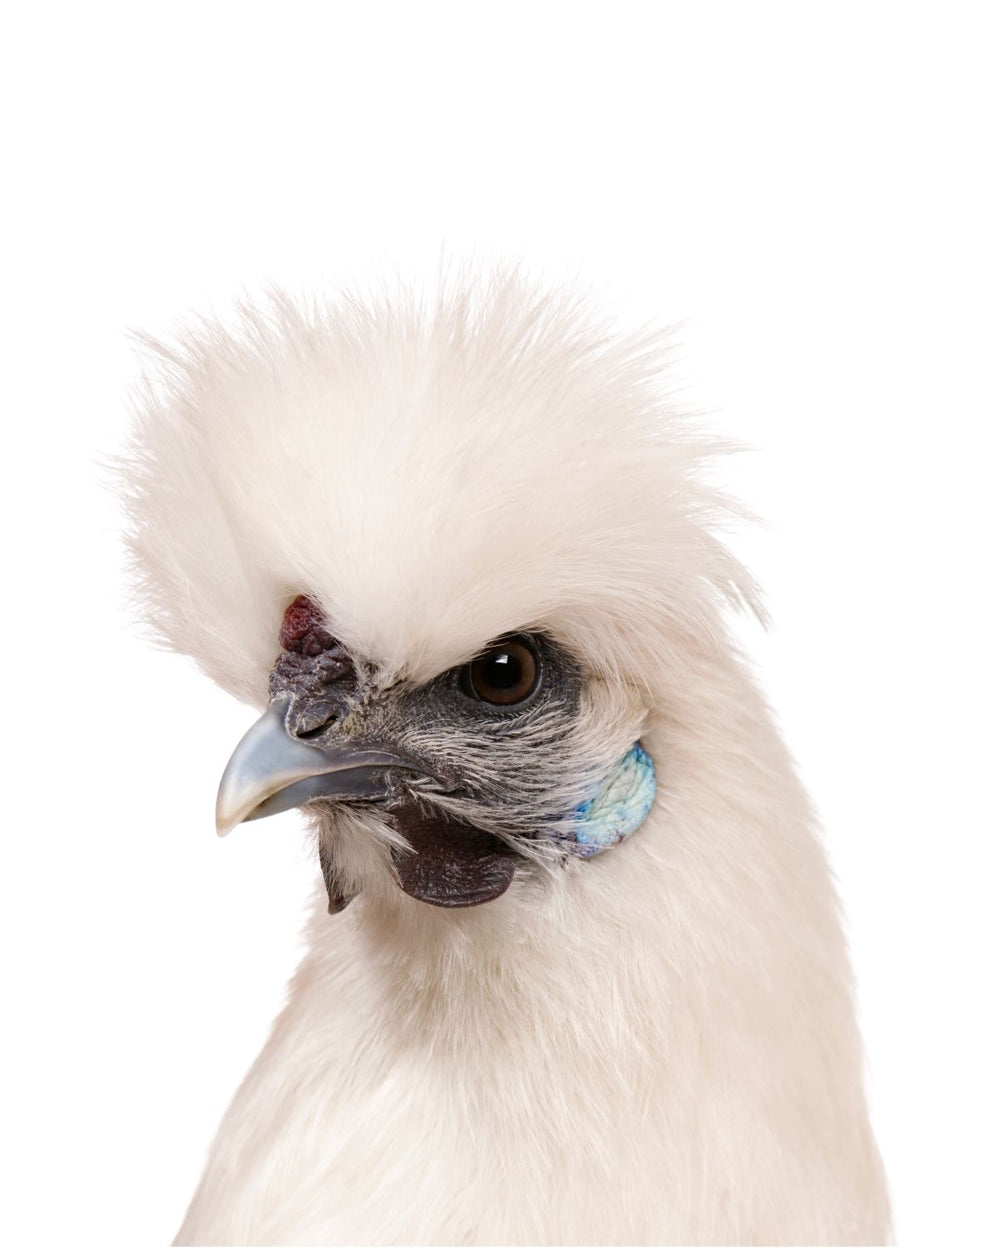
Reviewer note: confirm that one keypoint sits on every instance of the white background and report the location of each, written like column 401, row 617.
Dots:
column 811, row 188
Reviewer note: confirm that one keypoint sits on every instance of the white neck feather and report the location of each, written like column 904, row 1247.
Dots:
column 588, row 1060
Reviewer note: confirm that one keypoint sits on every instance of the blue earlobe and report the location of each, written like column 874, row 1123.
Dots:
column 619, row 808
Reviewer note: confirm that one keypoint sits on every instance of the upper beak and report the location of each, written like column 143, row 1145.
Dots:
column 271, row 771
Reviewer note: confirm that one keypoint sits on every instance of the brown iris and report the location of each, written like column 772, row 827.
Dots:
column 507, row 673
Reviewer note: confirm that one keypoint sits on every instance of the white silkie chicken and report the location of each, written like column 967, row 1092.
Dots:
column 577, row 975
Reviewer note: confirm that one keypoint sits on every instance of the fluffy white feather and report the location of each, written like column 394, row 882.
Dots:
column 654, row 1046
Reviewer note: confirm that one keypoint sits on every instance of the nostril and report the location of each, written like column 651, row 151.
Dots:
column 314, row 720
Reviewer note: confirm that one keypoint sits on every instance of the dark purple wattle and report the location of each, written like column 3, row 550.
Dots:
column 452, row 863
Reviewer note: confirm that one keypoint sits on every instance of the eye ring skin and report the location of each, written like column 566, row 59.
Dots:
column 469, row 682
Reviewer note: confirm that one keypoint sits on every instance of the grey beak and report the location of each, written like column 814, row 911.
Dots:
column 271, row 771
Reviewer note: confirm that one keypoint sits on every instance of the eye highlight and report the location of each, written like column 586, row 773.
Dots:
column 506, row 674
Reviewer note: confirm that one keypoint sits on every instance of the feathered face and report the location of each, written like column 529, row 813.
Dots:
column 459, row 547
column 481, row 767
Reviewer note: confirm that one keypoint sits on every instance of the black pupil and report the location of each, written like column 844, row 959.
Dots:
column 502, row 670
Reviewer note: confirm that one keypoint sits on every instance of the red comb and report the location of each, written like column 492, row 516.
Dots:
column 302, row 629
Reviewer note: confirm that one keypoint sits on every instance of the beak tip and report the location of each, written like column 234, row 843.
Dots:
column 225, row 818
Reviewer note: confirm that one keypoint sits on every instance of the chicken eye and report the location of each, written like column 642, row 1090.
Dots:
column 507, row 673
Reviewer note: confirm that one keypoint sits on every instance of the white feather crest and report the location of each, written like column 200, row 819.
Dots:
column 435, row 471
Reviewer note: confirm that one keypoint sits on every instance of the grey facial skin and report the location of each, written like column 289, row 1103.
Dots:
column 505, row 764
column 465, row 782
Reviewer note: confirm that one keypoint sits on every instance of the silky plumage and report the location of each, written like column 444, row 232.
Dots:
column 461, row 550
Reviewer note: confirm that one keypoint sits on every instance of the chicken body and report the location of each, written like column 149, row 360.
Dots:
column 463, row 553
